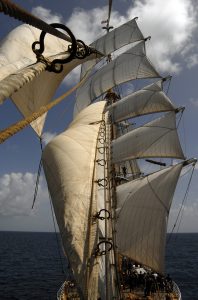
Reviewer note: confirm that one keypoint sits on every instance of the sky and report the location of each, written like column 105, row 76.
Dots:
column 173, row 49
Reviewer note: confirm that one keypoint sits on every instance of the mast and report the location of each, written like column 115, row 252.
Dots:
column 109, row 234
column 111, row 263
column 112, row 97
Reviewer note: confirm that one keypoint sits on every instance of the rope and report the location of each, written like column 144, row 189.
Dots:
column 180, row 119
column 37, row 182
column 13, row 129
column 57, row 241
column 182, row 207
column 38, row 176
column 168, row 86
column 15, row 11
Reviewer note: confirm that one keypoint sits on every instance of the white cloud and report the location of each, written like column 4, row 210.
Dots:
column 188, row 219
column 47, row 137
column 192, row 60
column 86, row 24
column 171, row 25
column 47, row 15
column 194, row 102
column 16, row 193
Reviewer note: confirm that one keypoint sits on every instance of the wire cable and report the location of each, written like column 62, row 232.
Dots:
column 56, row 234
column 180, row 213
column 38, row 175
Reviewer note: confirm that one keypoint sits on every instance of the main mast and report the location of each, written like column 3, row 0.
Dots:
column 111, row 261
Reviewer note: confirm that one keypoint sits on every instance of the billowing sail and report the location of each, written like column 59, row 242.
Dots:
column 38, row 92
column 157, row 138
column 132, row 64
column 22, row 78
column 119, row 37
column 148, row 100
column 113, row 40
column 69, row 167
column 143, row 208
column 130, row 167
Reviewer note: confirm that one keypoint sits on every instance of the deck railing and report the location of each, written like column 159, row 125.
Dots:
column 176, row 290
column 68, row 291
column 61, row 292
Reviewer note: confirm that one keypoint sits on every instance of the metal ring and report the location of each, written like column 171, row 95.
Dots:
column 81, row 53
column 101, row 160
column 103, row 150
column 100, row 180
column 72, row 48
column 99, row 252
column 97, row 215
column 102, row 140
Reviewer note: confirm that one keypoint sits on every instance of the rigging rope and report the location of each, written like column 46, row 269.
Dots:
column 180, row 213
column 13, row 129
column 38, row 175
column 15, row 11
column 56, row 234
column 37, row 182
column 54, row 224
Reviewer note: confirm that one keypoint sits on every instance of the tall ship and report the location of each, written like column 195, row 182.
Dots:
column 112, row 215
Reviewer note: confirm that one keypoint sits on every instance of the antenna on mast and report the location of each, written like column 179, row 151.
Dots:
column 107, row 28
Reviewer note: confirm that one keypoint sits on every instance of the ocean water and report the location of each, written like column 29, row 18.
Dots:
column 30, row 266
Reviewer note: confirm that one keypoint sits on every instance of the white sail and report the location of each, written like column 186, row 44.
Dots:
column 130, row 65
column 23, row 79
column 16, row 49
column 130, row 167
column 119, row 37
column 113, row 40
column 38, row 92
column 143, row 208
column 148, row 100
column 157, row 138
column 69, row 167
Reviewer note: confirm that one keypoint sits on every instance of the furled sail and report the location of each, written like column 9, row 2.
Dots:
column 148, row 100
column 113, row 40
column 25, row 80
column 69, row 167
column 157, row 138
column 132, row 64
column 143, row 208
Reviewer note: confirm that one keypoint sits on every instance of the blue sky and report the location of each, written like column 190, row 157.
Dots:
column 173, row 49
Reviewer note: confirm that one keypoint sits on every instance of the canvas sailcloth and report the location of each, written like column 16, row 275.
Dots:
column 69, row 167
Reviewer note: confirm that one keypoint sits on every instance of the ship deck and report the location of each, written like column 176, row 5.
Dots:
column 70, row 293
column 139, row 295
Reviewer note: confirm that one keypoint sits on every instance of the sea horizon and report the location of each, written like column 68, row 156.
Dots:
column 187, row 232
column 32, row 258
